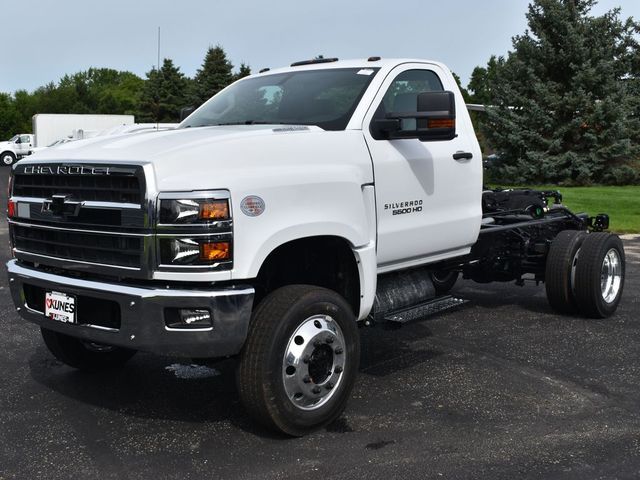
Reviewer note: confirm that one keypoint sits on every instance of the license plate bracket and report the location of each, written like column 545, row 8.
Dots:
column 60, row 307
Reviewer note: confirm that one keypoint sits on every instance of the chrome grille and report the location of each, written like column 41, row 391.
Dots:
column 110, row 231
column 119, row 185
column 119, row 250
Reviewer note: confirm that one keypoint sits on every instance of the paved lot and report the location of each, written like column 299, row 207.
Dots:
column 503, row 388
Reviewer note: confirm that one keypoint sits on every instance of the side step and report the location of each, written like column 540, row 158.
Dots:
column 422, row 310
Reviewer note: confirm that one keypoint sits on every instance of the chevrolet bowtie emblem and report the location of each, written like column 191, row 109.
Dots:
column 61, row 205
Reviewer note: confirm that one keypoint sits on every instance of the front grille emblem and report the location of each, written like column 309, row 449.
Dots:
column 60, row 205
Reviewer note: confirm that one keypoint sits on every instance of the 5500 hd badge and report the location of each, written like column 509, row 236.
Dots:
column 402, row 208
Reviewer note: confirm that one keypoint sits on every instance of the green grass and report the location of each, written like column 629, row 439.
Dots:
column 622, row 204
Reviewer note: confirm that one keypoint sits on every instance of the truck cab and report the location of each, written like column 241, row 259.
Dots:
column 16, row 147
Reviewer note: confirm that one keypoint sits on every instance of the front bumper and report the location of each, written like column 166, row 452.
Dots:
column 141, row 313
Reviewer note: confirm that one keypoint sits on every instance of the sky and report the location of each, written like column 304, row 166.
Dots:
column 49, row 38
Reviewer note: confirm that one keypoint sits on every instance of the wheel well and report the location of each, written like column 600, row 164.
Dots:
column 323, row 261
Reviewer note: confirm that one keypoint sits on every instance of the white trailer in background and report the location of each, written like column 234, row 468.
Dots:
column 49, row 127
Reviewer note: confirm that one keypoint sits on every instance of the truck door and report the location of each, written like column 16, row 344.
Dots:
column 24, row 147
column 428, row 203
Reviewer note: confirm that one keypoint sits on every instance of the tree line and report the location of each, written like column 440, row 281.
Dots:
column 158, row 97
column 562, row 107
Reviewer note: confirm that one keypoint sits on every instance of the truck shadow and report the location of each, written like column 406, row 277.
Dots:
column 148, row 388
column 385, row 352
column 529, row 298
column 143, row 388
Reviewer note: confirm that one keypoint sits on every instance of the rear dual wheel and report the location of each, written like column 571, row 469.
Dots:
column 560, row 270
column 585, row 273
column 599, row 279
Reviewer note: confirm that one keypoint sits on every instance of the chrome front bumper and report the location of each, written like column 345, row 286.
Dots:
column 142, row 313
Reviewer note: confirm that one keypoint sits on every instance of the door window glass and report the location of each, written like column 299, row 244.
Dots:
column 402, row 95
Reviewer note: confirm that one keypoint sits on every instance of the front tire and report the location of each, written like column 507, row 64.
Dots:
column 300, row 360
column 83, row 355
column 8, row 158
column 600, row 275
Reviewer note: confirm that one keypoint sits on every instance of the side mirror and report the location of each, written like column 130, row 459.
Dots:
column 435, row 119
column 18, row 141
column 185, row 112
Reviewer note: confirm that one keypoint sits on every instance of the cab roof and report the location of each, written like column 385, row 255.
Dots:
column 327, row 63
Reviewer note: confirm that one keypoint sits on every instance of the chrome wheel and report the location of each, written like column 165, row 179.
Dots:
column 313, row 362
column 611, row 276
column 7, row 159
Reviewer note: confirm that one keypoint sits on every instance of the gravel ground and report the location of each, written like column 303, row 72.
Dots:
column 502, row 388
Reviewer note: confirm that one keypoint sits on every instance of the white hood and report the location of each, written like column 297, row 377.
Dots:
column 216, row 157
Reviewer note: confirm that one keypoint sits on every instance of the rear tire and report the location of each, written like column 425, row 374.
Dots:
column 600, row 275
column 560, row 268
column 86, row 356
column 300, row 360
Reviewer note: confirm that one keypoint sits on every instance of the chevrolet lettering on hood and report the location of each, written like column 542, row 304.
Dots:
column 64, row 170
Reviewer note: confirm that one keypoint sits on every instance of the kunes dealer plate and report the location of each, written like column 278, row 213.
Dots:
column 60, row 307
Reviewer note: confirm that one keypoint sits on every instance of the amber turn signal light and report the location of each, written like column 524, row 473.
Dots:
column 214, row 210
column 215, row 251
column 441, row 123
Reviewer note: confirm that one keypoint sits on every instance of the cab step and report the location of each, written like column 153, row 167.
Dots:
column 422, row 310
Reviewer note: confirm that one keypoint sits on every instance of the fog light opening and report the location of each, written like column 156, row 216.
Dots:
column 188, row 318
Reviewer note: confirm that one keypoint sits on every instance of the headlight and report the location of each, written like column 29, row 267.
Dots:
column 193, row 251
column 195, row 230
column 193, row 210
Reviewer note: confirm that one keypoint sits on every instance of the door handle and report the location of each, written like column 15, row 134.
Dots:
column 462, row 156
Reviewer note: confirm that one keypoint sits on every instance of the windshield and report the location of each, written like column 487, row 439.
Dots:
column 326, row 98
column 58, row 142
column 14, row 138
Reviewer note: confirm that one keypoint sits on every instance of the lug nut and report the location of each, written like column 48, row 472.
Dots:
column 306, row 359
column 316, row 390
column 306, row 379
column 338, row 351
column 329, row 340
column 317, row 343
column 329, row 386
column 338, row 369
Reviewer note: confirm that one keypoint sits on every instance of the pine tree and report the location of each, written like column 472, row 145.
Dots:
column 244, row 71
column 214, row 75
column 164, row 94
column 563, row 102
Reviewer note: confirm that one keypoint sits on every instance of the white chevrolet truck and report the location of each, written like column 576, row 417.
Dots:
column 290, row 209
